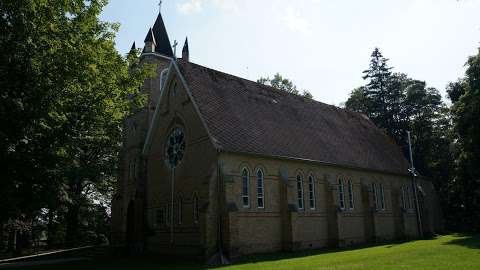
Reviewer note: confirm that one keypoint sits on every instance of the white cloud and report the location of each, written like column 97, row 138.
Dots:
column 227, row 5
column 190, row 6
column 195, row 6
column 295, row 21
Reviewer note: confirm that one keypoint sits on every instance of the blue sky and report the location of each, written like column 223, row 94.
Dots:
column 322, row 45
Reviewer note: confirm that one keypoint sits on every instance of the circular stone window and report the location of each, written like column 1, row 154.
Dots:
column 175, row 147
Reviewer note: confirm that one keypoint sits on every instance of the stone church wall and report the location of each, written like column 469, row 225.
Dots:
column 195, row 179
column 272, row 228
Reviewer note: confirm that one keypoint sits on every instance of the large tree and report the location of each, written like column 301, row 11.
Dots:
column 465, row 188
column 65, row 91
column 398, row 104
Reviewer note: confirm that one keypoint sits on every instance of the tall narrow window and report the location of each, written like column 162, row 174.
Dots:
column 375, row 195
column 160, row 217
column 195, row 209
column 180, row 211
column 341, row 193
column 382, row 197
column 163, row 77
column 404, row 197
column 350, row 195
column 168, row 214
column 311, row 192
column 260, row 189
column 245, row 187
column 300, row 191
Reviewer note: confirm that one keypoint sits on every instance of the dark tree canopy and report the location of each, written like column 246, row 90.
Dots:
column 465, row 188
column 65, row 92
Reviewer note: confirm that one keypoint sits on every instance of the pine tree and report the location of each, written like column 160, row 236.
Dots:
column 377, row 89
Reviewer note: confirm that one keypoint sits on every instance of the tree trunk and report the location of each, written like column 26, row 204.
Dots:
column 72, row 217
column 50, row 230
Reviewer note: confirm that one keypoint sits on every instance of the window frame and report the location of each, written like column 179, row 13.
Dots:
column 300, row 192
column 382, row 197
column 245, row 176
column 311, row 192
column 341, row 193
column 260, row 188
column 375, row 195
column 180, row 211
column 196, row 214
column 351, row 195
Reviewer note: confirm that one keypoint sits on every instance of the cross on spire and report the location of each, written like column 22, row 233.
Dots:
column 160, row 6
column 175, row 44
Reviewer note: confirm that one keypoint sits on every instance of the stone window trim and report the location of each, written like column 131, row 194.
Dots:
column 341, row 193
column 163, row 77
column 351, row 195
column 245, row 177
column 299, row 182
column 180, row 210
column 196, row 214
column 311, row 192
column 378, row 191
column 260, row 189
column 382, row 197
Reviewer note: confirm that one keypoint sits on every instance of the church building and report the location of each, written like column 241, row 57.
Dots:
column 219, row 165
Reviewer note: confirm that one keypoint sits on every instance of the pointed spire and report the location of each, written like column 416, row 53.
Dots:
column 150, row 42
column 185, row 52
column 134, row 47
column 150, row 36
column 163, row 45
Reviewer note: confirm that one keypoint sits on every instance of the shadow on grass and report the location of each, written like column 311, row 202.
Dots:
column 306, row 253
column 466, row 240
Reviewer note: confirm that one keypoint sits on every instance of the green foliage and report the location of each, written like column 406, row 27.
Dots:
column 398, row 104
column 465, row 187
column 65, row 93
column 284, row 84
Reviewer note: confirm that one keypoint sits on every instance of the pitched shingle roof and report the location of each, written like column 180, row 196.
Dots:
column 247, row 117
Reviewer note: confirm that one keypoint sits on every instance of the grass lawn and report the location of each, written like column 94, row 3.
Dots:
column 451, row 252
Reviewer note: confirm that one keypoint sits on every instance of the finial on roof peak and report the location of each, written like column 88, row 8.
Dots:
column 185, row 51
column 160, row 6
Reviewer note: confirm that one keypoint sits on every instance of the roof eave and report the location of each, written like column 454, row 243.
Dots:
column 311, row 161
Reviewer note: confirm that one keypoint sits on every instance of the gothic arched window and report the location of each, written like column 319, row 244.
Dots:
column 341, row 193
column 351, row 203
column 260, row 189
column 300, row 191
column 311, row 192
column 245, row 188
column 196, row 215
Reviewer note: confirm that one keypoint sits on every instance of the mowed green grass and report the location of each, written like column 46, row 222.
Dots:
column 451, row 252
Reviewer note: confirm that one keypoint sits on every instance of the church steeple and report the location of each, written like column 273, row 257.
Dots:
column 185, row 52
column 160, row 36
column 150, row 42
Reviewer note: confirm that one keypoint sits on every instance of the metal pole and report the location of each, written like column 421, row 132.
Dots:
column 414, row 183
column 171, row 206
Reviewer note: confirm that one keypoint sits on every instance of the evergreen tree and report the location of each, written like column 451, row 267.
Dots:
column 377, row 89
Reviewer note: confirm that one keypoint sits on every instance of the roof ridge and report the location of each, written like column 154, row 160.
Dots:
column 280, row 91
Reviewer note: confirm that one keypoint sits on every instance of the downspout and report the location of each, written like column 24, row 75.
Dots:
column 414, row 183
